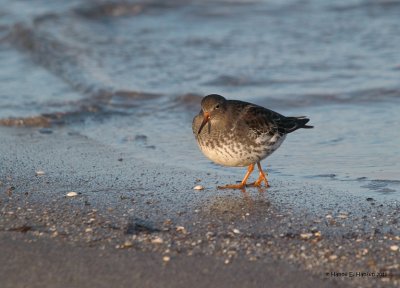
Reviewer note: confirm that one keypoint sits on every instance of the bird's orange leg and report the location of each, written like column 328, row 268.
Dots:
column 261, row 178
column 242, row 185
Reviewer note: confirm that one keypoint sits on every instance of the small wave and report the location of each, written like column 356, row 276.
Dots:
column 188, row 100
column 354, row 97
column 126, row 94
column 103, row 103
column 51, row 119
column 123, row 9
column 385, row 4
column 228, row 80
column 372, row 95
column 110, row 10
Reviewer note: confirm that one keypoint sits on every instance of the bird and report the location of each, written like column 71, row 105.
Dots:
column 238, row 134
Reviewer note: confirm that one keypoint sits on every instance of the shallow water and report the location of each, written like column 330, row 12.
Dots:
column 131, row 74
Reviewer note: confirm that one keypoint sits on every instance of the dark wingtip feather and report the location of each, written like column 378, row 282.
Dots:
column 303, row 121
column 293, row 123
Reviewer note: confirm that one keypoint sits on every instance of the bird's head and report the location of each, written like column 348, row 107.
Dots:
column 213, row 107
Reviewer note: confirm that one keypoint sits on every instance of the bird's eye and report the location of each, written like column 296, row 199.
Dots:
column 216, row 107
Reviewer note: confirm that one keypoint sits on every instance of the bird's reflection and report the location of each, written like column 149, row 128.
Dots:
column 236, row 205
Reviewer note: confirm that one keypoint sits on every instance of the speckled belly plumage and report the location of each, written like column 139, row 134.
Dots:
column 238, row 150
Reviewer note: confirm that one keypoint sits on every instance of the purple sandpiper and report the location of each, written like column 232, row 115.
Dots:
column 236, row 133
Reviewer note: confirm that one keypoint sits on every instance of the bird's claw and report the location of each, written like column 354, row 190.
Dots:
column 259, row 181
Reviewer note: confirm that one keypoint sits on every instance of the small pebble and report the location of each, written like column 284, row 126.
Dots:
column 40, row 173
column 72, row 194
column 198, row 187
column 333, row 257
column 181, row 229
column 236, row 231
column 166, row 258
column 306, row 235
column 157, row 240
column 167, row 222
column 209, row 234
column 91, row 220
column 394, row 247
column 128, row 244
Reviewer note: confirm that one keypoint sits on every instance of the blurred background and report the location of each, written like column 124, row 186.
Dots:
column 131, row 74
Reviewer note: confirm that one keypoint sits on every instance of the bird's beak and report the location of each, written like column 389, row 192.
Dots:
column 205, row 120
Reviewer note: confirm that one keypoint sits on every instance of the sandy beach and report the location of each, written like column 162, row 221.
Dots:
column 134, row 222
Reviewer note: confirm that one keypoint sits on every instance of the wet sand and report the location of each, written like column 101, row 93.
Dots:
column 47, row 263
column 135, row 222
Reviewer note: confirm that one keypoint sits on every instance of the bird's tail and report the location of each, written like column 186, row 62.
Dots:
column 294, row 123
column 302, row 121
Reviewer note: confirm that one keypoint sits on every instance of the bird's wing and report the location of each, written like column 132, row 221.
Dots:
column 255, row 118
column 261, row 120
column 264, row 121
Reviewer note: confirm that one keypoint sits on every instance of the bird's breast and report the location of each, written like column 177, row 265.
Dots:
column 237, row 150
